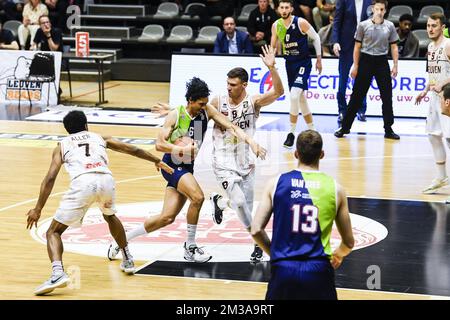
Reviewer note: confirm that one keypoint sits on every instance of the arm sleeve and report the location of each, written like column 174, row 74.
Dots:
column 316, row 40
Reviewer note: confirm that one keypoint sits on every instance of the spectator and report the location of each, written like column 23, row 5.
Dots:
column 231, row 40
column 325, row 37
column 47, row 38
column 7, row 40
column 57, row 12
column 322, row 11
column 306, row 7
column 31, row 13
column 260, row 24
column 408, row 45
column 13, row 9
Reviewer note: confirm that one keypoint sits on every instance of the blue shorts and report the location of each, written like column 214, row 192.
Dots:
column 311, row 279
column 180, row 169
column 298, row 73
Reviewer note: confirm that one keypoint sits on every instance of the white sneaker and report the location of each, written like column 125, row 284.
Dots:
column 195, row 254
column 127, row 266
column 55, row 281
column 435, row 185
column 113, row 251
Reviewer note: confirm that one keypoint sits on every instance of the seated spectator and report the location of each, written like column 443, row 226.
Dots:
column 306, row 7
column 47, row 38
column 322, row 11
column 231, row 40
column 260, row 24
column 31, row 13
column 57, row 12
column 13, row 9
column 325, row 37
column 408, row 44
column 7, row 40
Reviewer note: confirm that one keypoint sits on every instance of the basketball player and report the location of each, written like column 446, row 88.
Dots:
column 234, row 166
column 293, row 32
column 437, row 125
column 83, row 153
column 191, row 121
column 304, row 202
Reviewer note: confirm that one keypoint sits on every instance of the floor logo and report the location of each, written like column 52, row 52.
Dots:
column 226, row 242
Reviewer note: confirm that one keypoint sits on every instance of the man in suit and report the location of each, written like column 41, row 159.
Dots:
column 348, row 14
column 231, row 40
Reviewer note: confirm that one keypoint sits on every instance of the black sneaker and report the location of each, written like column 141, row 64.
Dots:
column 339, row 133
column 256, row 255
column 391, row 135
column 289, row 140
column 217, row 213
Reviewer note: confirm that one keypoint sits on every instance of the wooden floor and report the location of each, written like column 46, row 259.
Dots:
column 366, row 166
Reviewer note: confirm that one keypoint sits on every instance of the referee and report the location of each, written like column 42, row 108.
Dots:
column 372, row 40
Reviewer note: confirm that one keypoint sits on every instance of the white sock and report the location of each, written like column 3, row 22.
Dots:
column 191, row 229
column 293, row 127
column 310, row 126
column 57, row 267
column 126, row 255
column 441, row 170
column 139, row 231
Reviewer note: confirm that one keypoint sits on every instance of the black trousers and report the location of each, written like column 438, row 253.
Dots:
column 369, row 67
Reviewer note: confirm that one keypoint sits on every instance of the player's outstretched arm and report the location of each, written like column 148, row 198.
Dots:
column 344, row 227
column 223, row 122
column 132, row 150
column 277, row 90
column 46, row 188
column 262, row 217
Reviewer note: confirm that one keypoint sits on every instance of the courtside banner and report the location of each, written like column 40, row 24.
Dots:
column 410, row 81
column 20, row 72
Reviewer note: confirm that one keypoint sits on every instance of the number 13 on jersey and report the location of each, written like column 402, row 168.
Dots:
column 309, row 223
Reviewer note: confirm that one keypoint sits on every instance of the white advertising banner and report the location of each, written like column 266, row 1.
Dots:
column 213, row 69
column 20, row 72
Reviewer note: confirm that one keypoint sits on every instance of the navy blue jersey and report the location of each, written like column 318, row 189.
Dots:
column 304, row 208
column 294, row 43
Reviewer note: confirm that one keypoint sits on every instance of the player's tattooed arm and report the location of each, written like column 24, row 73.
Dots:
column 133, row 150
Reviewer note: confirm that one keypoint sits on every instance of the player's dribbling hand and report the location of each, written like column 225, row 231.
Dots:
column 163, row 166
column 33, row 218
column 268, row 56
column 191, row 149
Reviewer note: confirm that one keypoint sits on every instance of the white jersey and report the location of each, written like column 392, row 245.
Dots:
column 438, row 64
column 84, row 152
column 438, row 68
column 228, row 152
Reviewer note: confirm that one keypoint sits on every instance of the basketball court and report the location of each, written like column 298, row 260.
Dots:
column 397, row 229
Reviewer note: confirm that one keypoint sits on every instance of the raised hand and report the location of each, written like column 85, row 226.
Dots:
column 268, row 56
